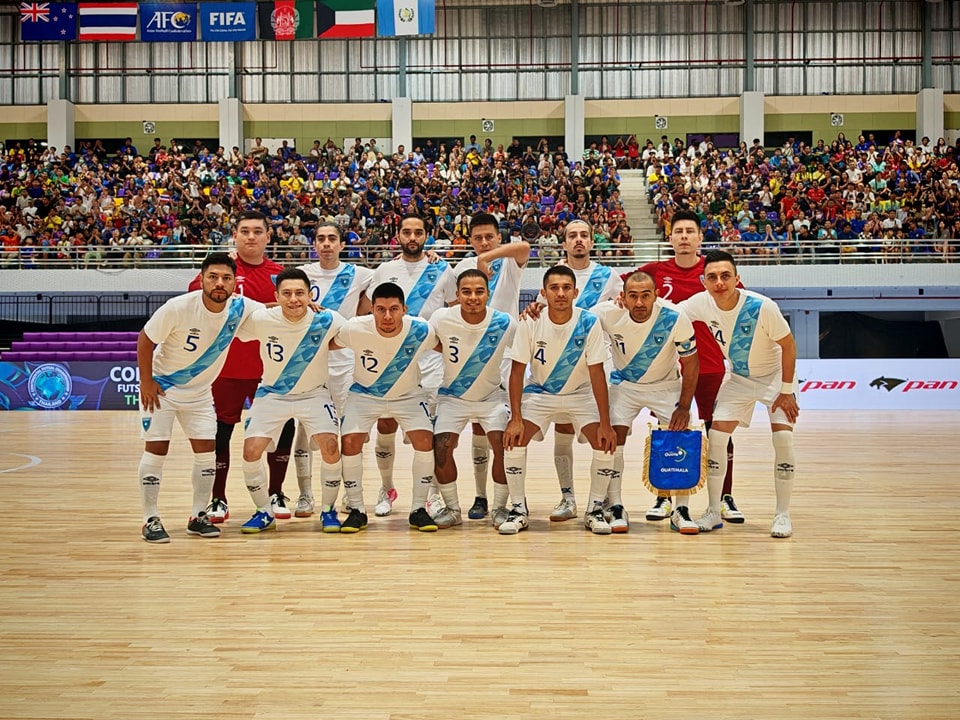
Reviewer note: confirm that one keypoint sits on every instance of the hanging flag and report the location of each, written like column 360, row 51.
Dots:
column 286, row 19
column 108, row 21
column 168, row 22
column 48, row 21
column 345, row 18
column 228, row 21
column 405, row 17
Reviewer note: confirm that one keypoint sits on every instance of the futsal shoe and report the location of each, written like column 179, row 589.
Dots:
column 516, row 522
column 729, row 510
column 420, row 520
column 355, row 522
column 566, row 509
column 202, row 527
column 304, row 507
column 499, row 517
column 680, row 522
column 619, row 519
column 217, row 511
column 660, row 510
column 709, row 521
column 153, row 531
column 596, row 523
column 260, row 522
column 782, row 527
column 329, row 522
column 278, row 503
column 448, row 518
column 478, row 511
column 385, row 501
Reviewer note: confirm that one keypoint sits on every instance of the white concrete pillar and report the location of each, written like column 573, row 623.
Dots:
column 60, row 124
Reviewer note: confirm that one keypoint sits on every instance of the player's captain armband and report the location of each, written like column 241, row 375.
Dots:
column 675, row 461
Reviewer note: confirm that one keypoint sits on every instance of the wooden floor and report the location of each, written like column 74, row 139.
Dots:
column 856, row 616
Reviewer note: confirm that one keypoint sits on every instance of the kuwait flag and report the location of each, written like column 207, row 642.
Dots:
column 345, row 18
column 108, row 21
column 285, row 19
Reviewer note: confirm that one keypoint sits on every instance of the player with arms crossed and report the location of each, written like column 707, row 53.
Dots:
column 427, row 287
column 503, row 265
column 565, row 350
column 294, row 348
column 388, row 346
column 648, row 337
column 472, row 338
column 678, row 279
column 179, row 353
column 340, row 287
column 757, row 341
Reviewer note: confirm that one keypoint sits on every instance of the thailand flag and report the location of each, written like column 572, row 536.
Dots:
column 108, row 21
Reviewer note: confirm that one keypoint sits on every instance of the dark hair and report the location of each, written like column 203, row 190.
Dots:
column 415, row 216
column 559, row 270
column 473, row 273
column 715, row 256
column 482, row 220
column 329, row 224
column 639, row 276
column 388, row 291
column 685, row 215
column 218, row 258
column 251, row 215
column 292, row 273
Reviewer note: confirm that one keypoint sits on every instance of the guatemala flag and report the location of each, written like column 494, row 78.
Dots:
column 405, row 17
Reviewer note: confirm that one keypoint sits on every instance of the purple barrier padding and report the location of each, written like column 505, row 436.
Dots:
column 32, row 385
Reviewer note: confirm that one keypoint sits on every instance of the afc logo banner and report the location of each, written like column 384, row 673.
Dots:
column 168, row 22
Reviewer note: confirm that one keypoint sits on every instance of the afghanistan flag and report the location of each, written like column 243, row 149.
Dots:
column 285, row 19
column 345, row 18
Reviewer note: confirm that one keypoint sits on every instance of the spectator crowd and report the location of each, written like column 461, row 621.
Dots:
column 825, row 202
column 89, row 208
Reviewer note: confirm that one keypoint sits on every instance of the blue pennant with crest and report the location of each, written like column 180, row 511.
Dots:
column 424, row 286
column 590, row 294
column 339, row 287
column 310, row 344
column 568, row 359
column 743, row 333
column 399, row 363
column 220, row 343
column 480, row 356
column 651, row 347
column 675, row 460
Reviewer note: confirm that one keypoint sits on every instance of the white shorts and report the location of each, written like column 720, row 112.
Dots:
column 453, row 414
column 627, row 400
column 195, row 415
column 362, row 411
column 316, row 413
column 738, row 396
column 339, row 382
column 431, row 372
column 578, row 408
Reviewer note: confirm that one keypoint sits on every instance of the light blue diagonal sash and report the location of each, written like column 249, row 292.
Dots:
column 306, row 351
column 568, row 358
column 400, row 362
column 220, row 343
column 651, row 347
column 590, row 295
column 496, row 265
column 339, row 287
column 742, row 337
column 480, row 356
column 424, row 286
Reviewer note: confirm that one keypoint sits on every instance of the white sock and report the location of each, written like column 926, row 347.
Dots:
column 385, row 449
column 563, row 461
column 303, row 461
column 255, row 476
column 150, row 473
column 682, row 501
column 422, row 478
column 784, row 464
column 501, row 493
column 204, row 471
column 352, row 468
column 601, row 471
column 450, row 495
column 481, row 459
column 330, row 474
column 615, row 490
column 716, row 467
column 515, row 462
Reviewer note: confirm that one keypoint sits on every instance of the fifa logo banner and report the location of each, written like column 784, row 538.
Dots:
column 168, row 22
column 228, row 21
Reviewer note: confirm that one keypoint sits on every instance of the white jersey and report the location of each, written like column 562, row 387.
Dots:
column 504, row 285
column 427, row 287
column 646, row 353
column 338, row 289
column 596, row 283
column 472, row 354
column 386, row 367
column 747, row 334
column 294, row 354
column 192, row 342
column 558, row 355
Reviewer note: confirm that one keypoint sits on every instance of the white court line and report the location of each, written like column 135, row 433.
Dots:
column 31, row 461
